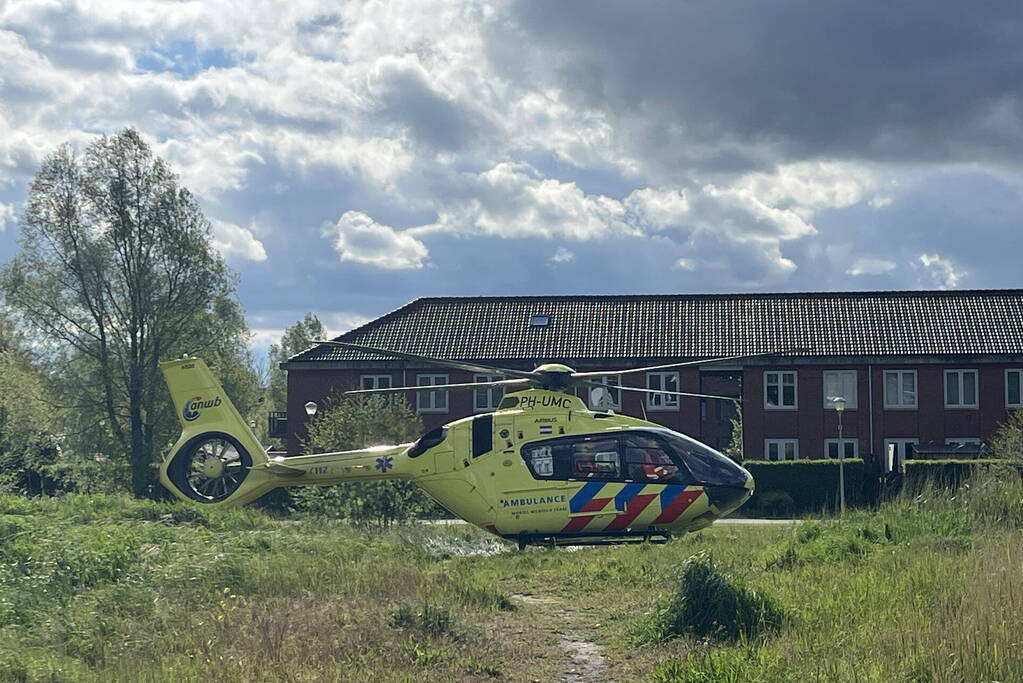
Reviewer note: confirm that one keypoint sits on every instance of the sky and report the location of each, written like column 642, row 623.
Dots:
column 353, row 156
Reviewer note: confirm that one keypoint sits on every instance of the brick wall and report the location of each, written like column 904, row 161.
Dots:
column 811, row 423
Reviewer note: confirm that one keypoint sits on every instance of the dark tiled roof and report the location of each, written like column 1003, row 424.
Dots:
column 970, row 322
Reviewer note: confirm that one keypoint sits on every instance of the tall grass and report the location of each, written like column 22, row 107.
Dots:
column 104, row 588
column 923, row 589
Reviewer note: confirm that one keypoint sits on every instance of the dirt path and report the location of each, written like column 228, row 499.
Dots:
column 566, row 625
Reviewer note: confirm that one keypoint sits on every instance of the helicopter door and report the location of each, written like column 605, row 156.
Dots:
column 537, row 498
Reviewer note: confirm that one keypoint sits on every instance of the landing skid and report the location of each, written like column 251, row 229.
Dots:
column 591, row 538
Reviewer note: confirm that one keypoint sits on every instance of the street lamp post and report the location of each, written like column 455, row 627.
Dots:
column 839, row 403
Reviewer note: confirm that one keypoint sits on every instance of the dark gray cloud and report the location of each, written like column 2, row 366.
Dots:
column 548, row 147
column 728, row 83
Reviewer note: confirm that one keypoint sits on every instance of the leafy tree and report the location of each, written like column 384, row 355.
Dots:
column 295, row 339
column 27, row 445
column 358, row 422
column 734, row 448
column 117, row 271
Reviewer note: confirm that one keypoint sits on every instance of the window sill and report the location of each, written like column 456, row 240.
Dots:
column 789, row 408
column 431, row 410
column 902, row 408
column 662, row 409
column 973, row 407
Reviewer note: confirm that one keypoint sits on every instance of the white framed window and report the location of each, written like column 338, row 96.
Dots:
column 375, row 381
column 487, row 399
column 435, row 401
column 850, row 447
column 780, row 390
column 904, row 449
column 840, row 383
column 781, row 449
column 900, row 389
column 1014, row 388
column 662, row 381
column 612, row 383
column 960, row 388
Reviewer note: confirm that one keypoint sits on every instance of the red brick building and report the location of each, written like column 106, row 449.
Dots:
column 920, row 369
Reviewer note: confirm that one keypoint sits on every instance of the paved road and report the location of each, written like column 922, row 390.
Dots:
column 730, row 520
column 727, row 520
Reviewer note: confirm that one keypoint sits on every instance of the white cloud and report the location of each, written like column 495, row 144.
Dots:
column 941, row 272
column 868, row 265
column 234, row 241
column 562, row 255
column 263, row 337
column 339, row 322
column 810, row 187
column 658, row 208
column 6, row 215
column 359, row 238
column 513, row 200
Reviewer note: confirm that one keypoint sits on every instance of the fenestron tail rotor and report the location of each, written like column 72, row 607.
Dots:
column 548, row 376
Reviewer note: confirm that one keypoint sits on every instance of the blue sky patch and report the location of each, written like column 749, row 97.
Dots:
column 182, row 57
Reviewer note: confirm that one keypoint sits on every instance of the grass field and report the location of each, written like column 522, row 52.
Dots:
column 100, row 588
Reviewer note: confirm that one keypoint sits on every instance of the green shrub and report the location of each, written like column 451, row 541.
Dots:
column 430, row 620
column 826, row 543
column 707, row 603
column 722, row 665
column 810, row 485
column 1007, row 441
column 776, row 503
column 994, row 497
column 349, row 423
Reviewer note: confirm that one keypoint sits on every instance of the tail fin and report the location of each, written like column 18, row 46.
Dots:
column 217, row 458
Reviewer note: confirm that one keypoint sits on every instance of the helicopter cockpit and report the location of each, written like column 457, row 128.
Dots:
column 647, row 455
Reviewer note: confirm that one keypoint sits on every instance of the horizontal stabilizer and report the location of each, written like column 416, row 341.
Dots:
column 277, row 466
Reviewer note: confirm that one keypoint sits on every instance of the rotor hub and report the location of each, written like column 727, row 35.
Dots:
column 212, row 468
column 554, row 375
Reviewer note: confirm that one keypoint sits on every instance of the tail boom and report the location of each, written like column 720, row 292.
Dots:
column 218, row 459
column 378, row 462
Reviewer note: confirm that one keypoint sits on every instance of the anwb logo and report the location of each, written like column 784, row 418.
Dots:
column 193, row 407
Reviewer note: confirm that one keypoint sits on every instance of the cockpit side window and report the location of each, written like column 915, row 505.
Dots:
column 596, row 458
column 630, row 457
column 648, row 459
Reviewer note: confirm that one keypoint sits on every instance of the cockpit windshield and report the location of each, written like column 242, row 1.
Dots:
column 706, row 465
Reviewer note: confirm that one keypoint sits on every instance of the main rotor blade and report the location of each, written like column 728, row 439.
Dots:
column 657, row 391
column 455, row 364
column 650, row 368
column 429, row 387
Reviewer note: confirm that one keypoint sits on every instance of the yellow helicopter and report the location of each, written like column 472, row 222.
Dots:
column 542, row 469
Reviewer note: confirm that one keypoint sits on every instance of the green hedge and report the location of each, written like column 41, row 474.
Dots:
column 945, row 473
column 795, row 487
column 801, row 487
